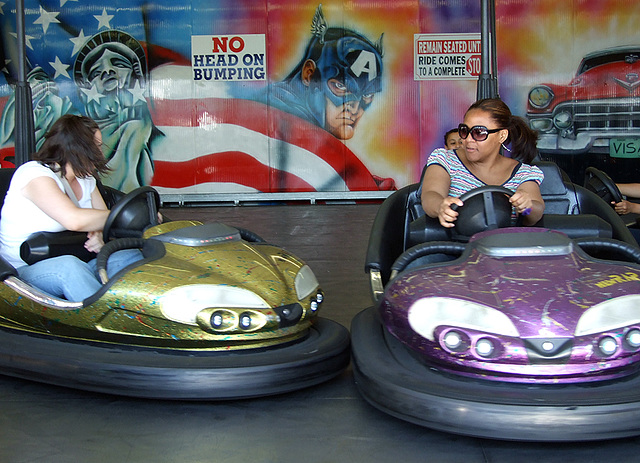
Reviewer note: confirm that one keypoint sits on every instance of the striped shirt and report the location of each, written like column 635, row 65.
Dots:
column 462, row 180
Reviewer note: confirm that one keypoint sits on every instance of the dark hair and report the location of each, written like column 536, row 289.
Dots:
column 71, row 139
column 522, row 138
column 449, row 132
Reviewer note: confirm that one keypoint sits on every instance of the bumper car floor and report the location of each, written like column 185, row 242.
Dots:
column 330, row 422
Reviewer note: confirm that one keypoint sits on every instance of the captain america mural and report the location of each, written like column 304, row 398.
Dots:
column 336, row 80
column 332, row 86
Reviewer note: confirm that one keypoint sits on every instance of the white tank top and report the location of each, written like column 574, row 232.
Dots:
column 20, row 217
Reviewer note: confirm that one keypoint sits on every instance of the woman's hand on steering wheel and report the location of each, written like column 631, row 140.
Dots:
column 625, row 207
column 446, row 215
column 522, row 202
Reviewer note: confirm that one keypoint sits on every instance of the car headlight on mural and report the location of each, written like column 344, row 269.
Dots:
column 563, row 120
column 540, row 97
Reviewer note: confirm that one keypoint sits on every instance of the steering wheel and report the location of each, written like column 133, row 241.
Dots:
column 601, row 184
column 485, row 208
column 132, row 214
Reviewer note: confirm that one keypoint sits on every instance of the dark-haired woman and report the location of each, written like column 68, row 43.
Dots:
column 488, row 125
column 56, row 191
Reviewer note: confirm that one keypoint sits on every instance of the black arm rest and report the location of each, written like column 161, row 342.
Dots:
column 577, row 226
column 42, row 245
column 604, row 248
column 386, row 241
column 433, row 247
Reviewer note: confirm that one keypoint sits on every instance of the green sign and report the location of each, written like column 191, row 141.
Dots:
column 624, row 148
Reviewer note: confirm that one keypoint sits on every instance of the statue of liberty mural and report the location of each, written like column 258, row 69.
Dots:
column 111, row 74
column 48, row 106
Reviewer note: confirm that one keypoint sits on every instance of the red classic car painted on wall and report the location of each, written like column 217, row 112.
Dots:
column 597, row 112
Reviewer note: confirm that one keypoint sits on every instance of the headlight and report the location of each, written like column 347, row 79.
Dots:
column 182, row 304
column 484, row 347
column 233, row 321
column 541, row 125
column 314, row 305
column 609, row 315
column 633, row 338
column 455, row 341
column 245, row 320
column 563, row 120
column 305, row 282
column 540, row 96
column 426, row 314
column 608, row 346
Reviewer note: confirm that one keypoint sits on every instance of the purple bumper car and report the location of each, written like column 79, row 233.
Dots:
column 516, row 333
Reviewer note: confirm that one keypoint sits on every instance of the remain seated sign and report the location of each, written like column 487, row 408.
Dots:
column 447, row 56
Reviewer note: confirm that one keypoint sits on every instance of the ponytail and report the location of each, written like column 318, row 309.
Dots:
column 523, row 140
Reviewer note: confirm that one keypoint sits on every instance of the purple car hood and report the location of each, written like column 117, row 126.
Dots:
column 537, row 292
column 543, row 283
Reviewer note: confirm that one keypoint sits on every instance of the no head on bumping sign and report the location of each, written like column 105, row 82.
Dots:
column 228, row 57
column 446, row 56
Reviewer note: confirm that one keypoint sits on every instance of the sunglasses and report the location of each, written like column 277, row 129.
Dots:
column 478, row 132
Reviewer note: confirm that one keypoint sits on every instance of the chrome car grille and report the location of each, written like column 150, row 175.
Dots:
column 598, row 115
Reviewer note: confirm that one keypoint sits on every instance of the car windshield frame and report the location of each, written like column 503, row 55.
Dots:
column 590, row 62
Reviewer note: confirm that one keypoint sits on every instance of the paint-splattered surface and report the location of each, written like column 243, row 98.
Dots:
column 171, row 299
column 519, row 303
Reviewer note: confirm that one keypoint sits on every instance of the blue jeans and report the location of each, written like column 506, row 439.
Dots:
column 69, row 277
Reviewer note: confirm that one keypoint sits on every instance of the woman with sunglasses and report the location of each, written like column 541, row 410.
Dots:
column 488, row 125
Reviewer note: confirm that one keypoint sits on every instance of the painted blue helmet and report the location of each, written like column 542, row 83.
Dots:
column 340, row 54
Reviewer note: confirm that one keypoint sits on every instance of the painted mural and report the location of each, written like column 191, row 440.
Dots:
column 238, row 96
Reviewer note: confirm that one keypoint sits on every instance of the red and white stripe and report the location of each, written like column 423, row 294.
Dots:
column 234, row 145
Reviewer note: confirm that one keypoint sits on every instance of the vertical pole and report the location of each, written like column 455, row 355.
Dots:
column 487, row 82
column 494, row 54
column 24, row 135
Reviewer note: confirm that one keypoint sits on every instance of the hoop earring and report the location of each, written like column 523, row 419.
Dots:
column 505, row 147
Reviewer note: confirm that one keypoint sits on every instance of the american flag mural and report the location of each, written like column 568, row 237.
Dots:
column 128, row 65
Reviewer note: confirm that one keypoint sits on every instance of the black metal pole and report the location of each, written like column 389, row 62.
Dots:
column 494, row 54
column 487, row 82
column 24, row 135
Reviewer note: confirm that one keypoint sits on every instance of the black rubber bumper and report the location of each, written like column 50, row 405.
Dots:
column 396, row 382
column 165, row 374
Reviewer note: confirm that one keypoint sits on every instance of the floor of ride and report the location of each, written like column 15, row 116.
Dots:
column 326, row 423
